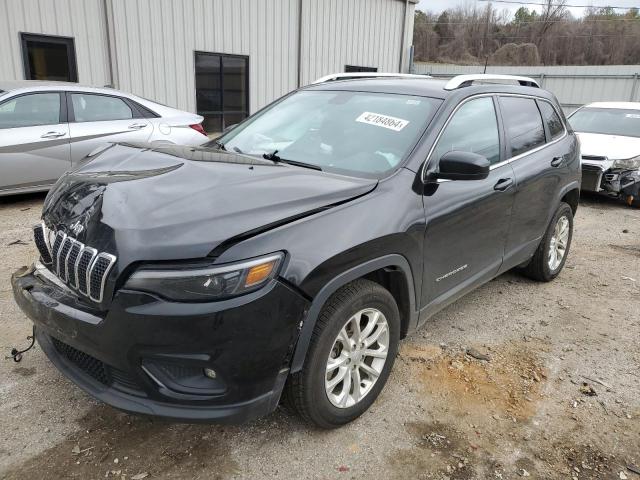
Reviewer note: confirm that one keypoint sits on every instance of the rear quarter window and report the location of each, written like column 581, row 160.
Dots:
column 552, row 120
column 523, row 124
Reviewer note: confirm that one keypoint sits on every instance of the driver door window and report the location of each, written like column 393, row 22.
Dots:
column 473, row 128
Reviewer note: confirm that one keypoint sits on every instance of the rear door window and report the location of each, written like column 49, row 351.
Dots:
column 551, row 118
column 523, row 124
column 99, row 108
column 30, row 110
column 473, row 128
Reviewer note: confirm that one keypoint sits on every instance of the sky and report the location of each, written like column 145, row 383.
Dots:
column 440, row 5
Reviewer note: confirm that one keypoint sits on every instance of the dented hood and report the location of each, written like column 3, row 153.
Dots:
column 173, row 202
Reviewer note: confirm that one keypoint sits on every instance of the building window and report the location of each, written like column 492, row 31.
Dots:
column 222, row 89
column 355, row 68
column 46, row 57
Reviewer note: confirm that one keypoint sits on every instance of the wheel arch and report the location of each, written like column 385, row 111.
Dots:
column 571, row 197
column 387, row 271
column 570, row 194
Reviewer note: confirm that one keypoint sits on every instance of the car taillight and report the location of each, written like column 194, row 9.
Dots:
column 198, row 128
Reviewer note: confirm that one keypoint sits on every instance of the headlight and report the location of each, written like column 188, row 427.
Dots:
column 207, row 283
column 627, row 163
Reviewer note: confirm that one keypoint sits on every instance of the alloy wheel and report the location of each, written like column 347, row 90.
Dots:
column 357, row 358
column 558, row 244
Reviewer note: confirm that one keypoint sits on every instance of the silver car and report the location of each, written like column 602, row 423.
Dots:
column 47, row 128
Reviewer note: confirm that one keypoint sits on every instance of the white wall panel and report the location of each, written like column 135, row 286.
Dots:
column 81, row 19
column 156, row 39
column 366, row 33
column 153, row 41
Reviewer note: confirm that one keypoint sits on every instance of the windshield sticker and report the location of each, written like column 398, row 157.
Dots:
column 413, row 102
column 632, row 115
column 385, row 121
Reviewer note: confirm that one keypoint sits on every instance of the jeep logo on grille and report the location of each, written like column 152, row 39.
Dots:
column 79, row 266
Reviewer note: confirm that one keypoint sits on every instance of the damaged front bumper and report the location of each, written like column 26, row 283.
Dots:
column 223, row 361
column 610, row 181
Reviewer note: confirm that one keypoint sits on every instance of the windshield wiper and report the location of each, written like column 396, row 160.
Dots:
column 221, row 146
column 274, row 157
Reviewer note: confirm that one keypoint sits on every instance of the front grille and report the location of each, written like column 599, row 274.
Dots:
column 98, row 370
column 595, row 158
column 81, row 267
column 89, row 365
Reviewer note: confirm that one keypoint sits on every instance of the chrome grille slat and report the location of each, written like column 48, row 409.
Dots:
column 70, row 263
column 98, row 275
column 86, row 260
column 62, row 258
column 55, row 250
column 42, row 242
column 80, row 267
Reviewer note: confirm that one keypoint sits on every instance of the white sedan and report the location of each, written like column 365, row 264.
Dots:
column 47, row 128
column 609, row 134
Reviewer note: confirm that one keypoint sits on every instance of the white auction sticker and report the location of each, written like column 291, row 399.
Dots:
column 632, row 115
column 384, row 121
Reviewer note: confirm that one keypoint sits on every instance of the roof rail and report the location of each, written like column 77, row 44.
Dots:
column 467, row 80
column 346, row 76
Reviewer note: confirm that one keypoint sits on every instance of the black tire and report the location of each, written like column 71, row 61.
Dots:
column 633, row 201
column 305, row 391
column 538, row 268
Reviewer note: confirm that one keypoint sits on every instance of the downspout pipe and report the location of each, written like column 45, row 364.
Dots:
column 300, row 43
column 404, row 37
column 108, row 21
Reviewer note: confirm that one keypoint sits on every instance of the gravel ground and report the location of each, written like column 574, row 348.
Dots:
column 443, row 414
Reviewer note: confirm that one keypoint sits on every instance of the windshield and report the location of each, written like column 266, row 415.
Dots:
column 358, row 133
column 609, row 121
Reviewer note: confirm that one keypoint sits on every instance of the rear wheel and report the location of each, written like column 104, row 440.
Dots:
column 552, row 252
column 351, row 353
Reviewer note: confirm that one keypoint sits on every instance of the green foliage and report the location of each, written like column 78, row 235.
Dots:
column 523, row 16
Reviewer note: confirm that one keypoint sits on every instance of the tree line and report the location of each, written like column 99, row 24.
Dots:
column 476, row 35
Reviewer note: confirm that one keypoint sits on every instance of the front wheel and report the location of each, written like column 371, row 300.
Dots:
column 633, row 200
column 552, row 252
column 351, row 353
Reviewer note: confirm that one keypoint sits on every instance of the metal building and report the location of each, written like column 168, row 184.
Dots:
column 574, row 85
column 223, row 59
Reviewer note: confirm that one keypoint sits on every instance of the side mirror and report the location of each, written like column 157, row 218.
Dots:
column 458, row 165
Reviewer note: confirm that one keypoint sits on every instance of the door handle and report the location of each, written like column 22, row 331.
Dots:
column 53, row 135
column 557, row 161
column 137, row 126
column 503, row 184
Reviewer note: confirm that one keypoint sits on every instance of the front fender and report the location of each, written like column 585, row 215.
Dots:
column 309, row 322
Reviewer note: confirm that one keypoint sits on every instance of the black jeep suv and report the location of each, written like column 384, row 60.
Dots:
column 289, row 256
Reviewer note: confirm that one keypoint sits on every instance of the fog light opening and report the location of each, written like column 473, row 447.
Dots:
column 210, row 373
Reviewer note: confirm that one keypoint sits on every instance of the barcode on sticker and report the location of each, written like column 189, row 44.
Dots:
column 385, row 121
